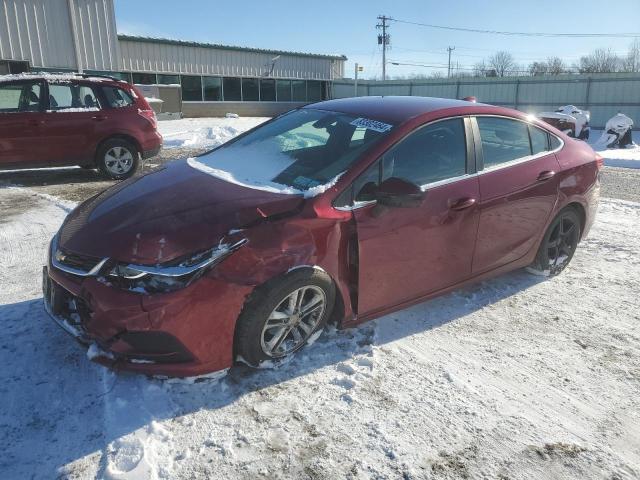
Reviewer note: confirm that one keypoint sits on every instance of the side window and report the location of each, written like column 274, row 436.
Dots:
column 117, row 97
column 539, row 140
column 503, row 140
column 554, row 142
column 68, row 96
column 365, row 185
column 430, row 154
column 20, row 97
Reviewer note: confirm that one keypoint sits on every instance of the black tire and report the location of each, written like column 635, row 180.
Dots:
column 558, row 244
column 114, row 167
column 584, row 134
column 250, row 331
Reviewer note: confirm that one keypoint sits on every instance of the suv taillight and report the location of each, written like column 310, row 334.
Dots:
column 149, row 115
column 599, row 161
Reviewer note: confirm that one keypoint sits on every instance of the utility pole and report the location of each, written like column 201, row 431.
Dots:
column 384, row 40
column 355, row 83
column 449, row 49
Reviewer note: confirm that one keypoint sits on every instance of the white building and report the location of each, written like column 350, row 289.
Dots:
column 81, row 35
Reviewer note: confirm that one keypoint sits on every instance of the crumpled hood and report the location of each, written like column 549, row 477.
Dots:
column 166, row 214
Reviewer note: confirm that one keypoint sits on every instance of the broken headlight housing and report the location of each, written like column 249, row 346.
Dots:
column 169, row 277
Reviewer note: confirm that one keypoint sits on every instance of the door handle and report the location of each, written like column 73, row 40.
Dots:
column 546, row 175
column 35, row 123
column 462, row 204
column 99, row 118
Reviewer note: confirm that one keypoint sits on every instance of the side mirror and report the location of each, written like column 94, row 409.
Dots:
column 397, row 192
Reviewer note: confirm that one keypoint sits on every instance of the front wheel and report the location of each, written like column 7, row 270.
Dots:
column 558, row 244
column 118, row 158
column 281, row 316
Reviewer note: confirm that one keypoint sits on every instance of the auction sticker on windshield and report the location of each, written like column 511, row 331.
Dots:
column 371, row 124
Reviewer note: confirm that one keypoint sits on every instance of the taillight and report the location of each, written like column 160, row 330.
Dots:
column 150, row 115
column 599, row 161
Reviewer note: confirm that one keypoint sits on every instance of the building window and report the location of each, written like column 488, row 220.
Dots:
column 268, row 90
column 13, row 67
column 284, row 90
column 212, row 89
column 231, row 89
column 299, row 90
column 191, row 88
column 314, row 91
column 164, row 79
column 250, row 90
column 144, row 78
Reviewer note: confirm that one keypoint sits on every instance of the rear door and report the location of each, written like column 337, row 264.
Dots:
column 21, row 123
column 73, row 122
column 518, row 189
column 405, row 253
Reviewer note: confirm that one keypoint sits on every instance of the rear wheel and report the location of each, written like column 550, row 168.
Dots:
column 559, row 244
column 281, row 316
column 118, row 158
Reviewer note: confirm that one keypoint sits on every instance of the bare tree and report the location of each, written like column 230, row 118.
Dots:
column 555, row 66
column 503, row 63
column 599, row 61
column 632, row 62
column 538, row 68
column 481, row 69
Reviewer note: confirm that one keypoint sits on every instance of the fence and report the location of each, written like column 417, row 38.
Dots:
column 603, row 95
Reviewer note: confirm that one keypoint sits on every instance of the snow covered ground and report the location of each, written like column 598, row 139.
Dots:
column 204, row 132
column 619, row 157
column 520, row 377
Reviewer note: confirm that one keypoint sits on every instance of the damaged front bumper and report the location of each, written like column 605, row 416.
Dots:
column 180, row 334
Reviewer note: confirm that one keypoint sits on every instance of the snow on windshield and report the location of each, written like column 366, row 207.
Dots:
column 303, row 152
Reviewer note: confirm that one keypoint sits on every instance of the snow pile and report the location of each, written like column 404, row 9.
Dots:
column 204, row 132
column 518, row 377
column 618, row 157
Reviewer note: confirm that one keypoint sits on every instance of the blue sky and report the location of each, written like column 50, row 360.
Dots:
column 348, row 27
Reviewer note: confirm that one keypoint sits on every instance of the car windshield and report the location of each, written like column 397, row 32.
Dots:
column 304, row 151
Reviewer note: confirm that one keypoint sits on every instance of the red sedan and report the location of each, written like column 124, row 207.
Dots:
column 340, row 211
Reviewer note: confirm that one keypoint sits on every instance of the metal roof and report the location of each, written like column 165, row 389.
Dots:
column 185, row 43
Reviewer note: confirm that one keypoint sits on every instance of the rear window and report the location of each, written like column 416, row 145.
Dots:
column 117, row 97
column 539, row 140
column 503, row 140
column 69, row 96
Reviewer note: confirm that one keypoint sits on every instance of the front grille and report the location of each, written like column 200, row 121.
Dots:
column 76, row 260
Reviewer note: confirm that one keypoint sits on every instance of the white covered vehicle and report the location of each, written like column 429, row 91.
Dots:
column 570, row 120
column 617, row 133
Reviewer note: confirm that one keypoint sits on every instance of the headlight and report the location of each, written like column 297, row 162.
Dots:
column 169, row 277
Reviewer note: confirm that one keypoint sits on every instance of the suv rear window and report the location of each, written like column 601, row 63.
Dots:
column 20, row 97
column 69, row 96
column 117, row 97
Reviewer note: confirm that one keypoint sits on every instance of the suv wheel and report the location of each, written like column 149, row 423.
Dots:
column 117, row 158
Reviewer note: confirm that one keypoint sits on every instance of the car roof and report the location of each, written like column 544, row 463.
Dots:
column 59, row 77
column 392, row 109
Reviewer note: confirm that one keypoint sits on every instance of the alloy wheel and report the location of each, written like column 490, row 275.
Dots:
column 562, row 242
column 118, row 160
column 293, row 321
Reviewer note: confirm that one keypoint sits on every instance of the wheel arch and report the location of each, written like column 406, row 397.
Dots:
column 582, row 214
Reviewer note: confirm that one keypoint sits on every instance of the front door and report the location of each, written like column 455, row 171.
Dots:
column 518, row 190
column 405, row 253
column 21, row 124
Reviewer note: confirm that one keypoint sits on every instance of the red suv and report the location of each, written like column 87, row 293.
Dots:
column 49, row 120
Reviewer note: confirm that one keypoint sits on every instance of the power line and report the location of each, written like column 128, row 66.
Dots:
column 523, row 34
